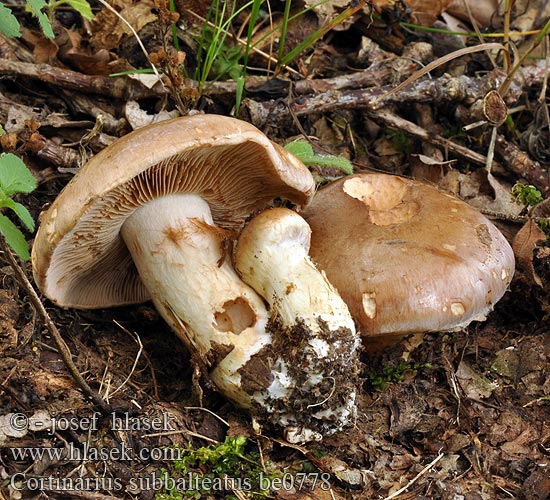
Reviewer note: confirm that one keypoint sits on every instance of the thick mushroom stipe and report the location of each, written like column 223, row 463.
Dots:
column 179, row 256
column 406, row 257
column 314, row 339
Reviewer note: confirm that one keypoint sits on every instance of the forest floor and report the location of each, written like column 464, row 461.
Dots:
column 462, row 415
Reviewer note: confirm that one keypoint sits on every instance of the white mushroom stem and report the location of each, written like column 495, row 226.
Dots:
column 272, row 257
column 180, row 258
column 311, row 325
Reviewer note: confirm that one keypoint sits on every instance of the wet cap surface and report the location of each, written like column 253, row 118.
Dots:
column 405, row 256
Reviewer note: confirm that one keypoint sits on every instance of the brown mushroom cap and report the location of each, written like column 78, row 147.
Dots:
column 79, row 259
column 406, row 257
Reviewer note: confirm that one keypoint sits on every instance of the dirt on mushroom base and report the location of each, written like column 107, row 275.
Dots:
column 289, row 345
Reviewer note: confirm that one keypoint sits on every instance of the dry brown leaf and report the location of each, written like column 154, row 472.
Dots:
column 327, row 11
column 473, row 188
column 506, row 363
column 474, row 385
column 425, row 12
column 44, row 49
column 109, row 29
column 527, row 241
column 81, row 58
column 484, row 12
column 524, row 245
column 529, row 15
column 138, row 117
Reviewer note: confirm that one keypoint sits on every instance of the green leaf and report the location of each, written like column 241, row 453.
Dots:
column 15, row 177
column 304, row 152
column 14, row 238
column 21, row 211
column 36, row 7
column 9, row 25
column 239, row 93
column 82, row 7
column 331, row 161
column 301, row 149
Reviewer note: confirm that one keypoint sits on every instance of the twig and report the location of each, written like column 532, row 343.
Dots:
column 182, row 431
column 64, row 351
column 462, row 89
column 379, row 73
column 392, row 120
column 60, row 156
column 119, row 87
column 441, row 61
column 520, row 163
column 395, row 494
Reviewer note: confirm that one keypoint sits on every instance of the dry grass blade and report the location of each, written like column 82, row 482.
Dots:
column 136, row 359
column 140, row 43
column 415, row 478
column 443, row 60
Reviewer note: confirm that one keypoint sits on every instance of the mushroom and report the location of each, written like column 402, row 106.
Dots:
column 406, row 257
column 150, row 216
column 306, row 315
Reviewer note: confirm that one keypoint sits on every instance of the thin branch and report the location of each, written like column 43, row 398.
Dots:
column 119, row 87
column 392, row 120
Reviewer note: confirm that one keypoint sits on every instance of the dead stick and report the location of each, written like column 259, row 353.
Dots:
column 462, row 89
column 54, row 332
column 520, row 163
column 379, row 73
column 118, row 87
column 394, row 121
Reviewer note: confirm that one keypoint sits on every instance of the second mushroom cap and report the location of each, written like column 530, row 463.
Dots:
column 405, row 256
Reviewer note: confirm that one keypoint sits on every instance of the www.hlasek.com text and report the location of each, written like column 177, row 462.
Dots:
column 189, row 482
column 88, row 453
